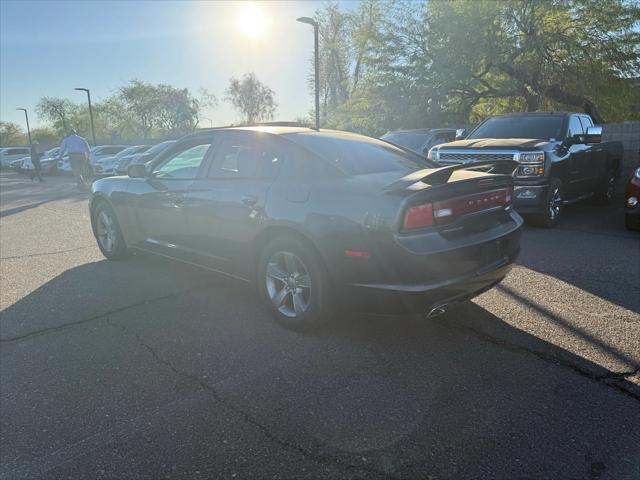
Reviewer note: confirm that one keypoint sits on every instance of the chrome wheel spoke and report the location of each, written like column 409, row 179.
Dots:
column 290, row 263
column 275, row 272
column 304, row 281
column 280, row 297
column 299, row 305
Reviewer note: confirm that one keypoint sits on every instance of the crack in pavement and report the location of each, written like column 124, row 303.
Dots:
column 41, row 254
column 317, row 457
column 609, row 379
column 45, row 331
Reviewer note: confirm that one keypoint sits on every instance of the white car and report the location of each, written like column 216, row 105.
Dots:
column 9, row 154
column 103, row 151
column 48, row 161
column 18, row 164
column 106, row 166
column 63, row 165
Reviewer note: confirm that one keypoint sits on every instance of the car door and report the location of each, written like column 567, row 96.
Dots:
column 578, row 162
column 226, row 207
column 595, row 163
column 160, row 197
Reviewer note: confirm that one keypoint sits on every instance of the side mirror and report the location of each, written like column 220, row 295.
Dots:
column 137, row 170
column 460, row 134
column 594, row 135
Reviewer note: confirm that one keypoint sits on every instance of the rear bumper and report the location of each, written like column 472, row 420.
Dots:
column 423, row 298
column 492, row 260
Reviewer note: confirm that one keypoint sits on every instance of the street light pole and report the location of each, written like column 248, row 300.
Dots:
column 93, row 130
column 316, row 46
column 26, row 116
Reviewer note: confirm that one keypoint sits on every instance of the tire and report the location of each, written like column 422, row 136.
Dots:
column 294, row 285
column 553, row 208
column 606, row 190
column 631, row 223
column 107, row 231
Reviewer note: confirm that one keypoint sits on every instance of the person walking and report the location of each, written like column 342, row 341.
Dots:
column 78, row 150
column 36, row 155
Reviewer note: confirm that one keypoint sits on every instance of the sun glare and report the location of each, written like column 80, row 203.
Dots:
column 252, row 21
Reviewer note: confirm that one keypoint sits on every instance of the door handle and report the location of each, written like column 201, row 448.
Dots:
column 249, row 200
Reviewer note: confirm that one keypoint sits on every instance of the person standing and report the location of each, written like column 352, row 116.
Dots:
column 78, row 150
column 36, row 155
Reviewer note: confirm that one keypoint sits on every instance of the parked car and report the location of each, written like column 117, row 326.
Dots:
column 64, row 166
column 422, row 140
column 48, row 162
column 102, row 151
column 317, row 219
column 632, row 202
column 18, row 162
column 106, row 165
column 144, row 157
column 9, row 154
column 561, row 157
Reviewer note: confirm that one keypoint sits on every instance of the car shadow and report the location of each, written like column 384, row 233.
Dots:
column 400, row 390
column 589, row 249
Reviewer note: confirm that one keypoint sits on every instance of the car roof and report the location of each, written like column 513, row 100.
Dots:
column 422, row 130
column 273, row 129
column 541, row 114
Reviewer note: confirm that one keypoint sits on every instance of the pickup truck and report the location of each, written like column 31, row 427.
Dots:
column 561, row 159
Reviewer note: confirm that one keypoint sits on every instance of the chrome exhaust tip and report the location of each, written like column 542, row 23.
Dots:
column 437, row 311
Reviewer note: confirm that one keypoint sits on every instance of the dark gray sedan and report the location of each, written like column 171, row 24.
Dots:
column 315, row 219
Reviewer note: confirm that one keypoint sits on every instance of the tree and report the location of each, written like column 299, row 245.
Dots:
column 448, row 62
column 46, row 137
column 11, row 134
column 58, row 111
column 251, row 98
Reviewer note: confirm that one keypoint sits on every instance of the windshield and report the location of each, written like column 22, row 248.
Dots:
column 536, row 126
column 359, row 155
column 414, row 141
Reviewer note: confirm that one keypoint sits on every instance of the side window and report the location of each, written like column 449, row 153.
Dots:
column 184, row 164
column 575, row 127
column 243, row 157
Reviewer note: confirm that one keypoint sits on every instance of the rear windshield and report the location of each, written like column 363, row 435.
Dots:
column 411, row 140
column 535, row 126
column 359, row 155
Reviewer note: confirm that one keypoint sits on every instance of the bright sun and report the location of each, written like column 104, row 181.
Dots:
column 252, row 21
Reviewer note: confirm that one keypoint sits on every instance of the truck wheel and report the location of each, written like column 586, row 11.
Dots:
column 553, row 206
column 606, row 190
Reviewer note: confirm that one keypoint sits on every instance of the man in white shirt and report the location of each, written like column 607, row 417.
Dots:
column 78, row 150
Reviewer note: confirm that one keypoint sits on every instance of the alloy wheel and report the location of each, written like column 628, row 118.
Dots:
column 288, row 284
column 106, row 231
column 555, row 204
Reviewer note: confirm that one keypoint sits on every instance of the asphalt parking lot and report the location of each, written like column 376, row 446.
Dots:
column 153, row 369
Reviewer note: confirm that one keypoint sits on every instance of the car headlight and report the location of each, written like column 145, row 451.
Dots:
column 530, row 170
column 433, row 154
column 637, row 173
column 531, row 157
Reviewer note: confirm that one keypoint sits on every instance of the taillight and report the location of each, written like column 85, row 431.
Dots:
column 445, row 211
column 419, row 216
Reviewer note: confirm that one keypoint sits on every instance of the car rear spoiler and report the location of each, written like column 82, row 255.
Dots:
column 439, row 176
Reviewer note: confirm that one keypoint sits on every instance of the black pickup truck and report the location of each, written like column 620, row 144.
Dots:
column 561, row 159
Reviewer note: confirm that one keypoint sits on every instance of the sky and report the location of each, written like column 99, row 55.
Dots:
column 49, row 47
